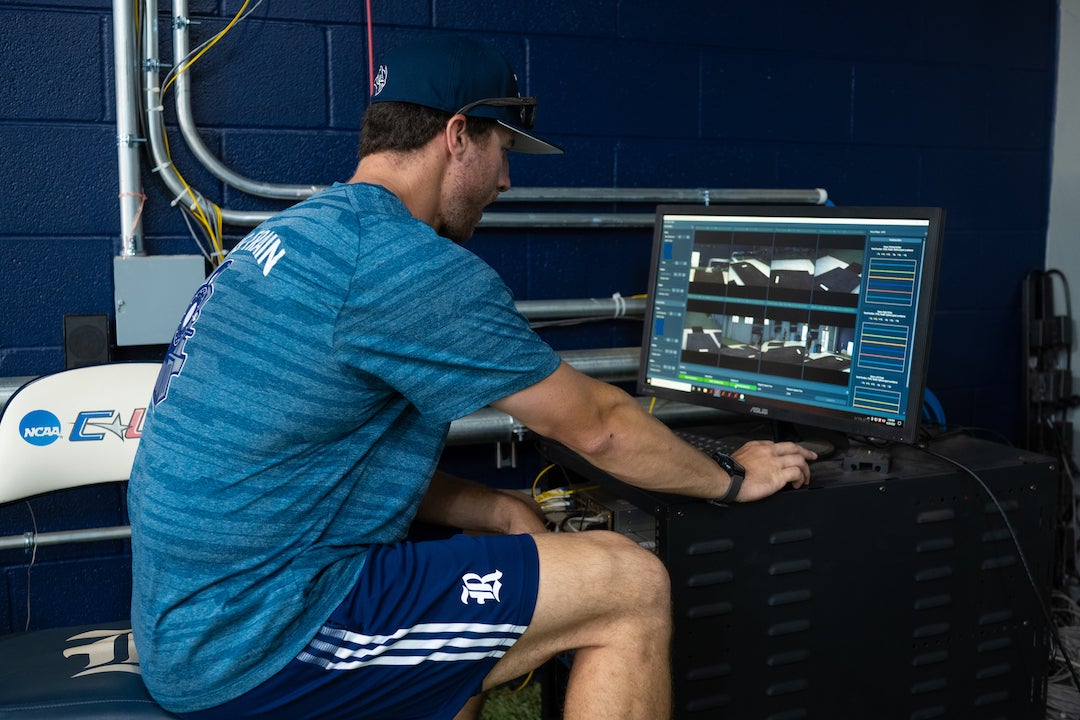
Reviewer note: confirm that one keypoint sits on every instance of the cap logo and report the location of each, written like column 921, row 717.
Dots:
column 380, row 80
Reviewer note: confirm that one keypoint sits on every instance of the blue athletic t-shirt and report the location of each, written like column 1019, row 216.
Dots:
column 299, row 415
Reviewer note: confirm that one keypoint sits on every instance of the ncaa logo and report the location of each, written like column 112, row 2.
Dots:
column 40, row 427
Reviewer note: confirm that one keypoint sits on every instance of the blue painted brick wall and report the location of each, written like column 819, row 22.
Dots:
column 943, row 102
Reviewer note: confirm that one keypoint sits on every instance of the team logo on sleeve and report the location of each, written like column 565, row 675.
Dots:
column 176, row 355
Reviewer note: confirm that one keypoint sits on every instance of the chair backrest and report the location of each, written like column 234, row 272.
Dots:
column 76, row 427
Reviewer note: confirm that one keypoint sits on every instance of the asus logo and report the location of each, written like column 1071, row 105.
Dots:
column 759, row 410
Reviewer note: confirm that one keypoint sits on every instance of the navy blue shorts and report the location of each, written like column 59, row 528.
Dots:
column 414, row 639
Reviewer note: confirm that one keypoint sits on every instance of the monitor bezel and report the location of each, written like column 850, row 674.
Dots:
column 805, row 416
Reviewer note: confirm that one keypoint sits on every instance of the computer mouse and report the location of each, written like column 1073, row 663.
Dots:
column 823, row 448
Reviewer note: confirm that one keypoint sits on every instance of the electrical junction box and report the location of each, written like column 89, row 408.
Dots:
column 151, row 295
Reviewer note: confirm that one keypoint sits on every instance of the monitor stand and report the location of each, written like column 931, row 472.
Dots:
column 806, row 437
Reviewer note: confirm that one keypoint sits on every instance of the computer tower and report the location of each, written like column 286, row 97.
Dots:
column 896, row 594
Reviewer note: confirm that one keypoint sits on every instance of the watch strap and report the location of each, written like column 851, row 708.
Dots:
column 735, row 471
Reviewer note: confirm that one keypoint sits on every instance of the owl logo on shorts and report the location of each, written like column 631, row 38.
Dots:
column 480, row 589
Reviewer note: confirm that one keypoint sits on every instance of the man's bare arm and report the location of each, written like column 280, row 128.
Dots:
column 608, row 428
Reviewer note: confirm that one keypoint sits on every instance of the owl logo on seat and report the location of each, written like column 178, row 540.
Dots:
column 108, row 651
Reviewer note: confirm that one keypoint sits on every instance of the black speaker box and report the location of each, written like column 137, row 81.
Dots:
column 86, row 340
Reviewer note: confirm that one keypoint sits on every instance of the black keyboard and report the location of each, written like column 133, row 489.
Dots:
column 710, row 444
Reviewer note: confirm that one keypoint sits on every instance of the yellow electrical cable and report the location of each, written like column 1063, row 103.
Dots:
column 524, row 682
column 196, row 209
column 537, row 480
column 200, row 215
column 183, row 68
column 220, row 238
column 583, row 488
column 563, row 492
column 214, row 229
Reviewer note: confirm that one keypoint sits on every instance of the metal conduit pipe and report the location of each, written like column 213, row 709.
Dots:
column 28, row 541
column 221, row 171
column 567, row 220
column 186, row 120
column 611, row 365
column 608, row 364
column 484, row 426
column 533, row 310
column 583, row 308
column 297, row 192
column 489, row 425
column 494, row 220
column 127, row 150
column 195, row 142
column 618, row 361
column 251, row 218
column 514, row 220
column 155, row 124
column 701, row 196
column 216, row 167
column 189, row 129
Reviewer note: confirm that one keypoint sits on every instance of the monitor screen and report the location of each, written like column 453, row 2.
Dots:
column 817, row 316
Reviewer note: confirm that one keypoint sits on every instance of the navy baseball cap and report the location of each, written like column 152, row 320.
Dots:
column 460, row 76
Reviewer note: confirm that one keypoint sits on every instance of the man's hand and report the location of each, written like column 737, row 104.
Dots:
column 523, row 514
column 476, row 508
column 770, row 466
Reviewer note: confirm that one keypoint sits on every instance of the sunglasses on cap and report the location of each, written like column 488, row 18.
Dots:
column 526, row 105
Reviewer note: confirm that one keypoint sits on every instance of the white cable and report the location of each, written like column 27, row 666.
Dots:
column 195, row 236
column 33, row 558
column 583, row 522
column 620, row 304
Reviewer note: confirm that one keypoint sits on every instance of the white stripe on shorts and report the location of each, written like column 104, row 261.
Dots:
column 340, row 649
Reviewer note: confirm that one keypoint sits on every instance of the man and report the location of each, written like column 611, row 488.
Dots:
column 298, row 420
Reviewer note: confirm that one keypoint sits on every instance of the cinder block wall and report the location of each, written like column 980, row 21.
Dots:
column 943, row 103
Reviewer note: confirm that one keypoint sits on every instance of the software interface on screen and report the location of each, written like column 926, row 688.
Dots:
column 809, row 318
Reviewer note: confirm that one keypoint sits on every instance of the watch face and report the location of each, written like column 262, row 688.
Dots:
column 737, row 473
column 729, row 465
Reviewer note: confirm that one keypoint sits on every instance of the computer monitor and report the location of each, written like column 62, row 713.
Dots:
column 810, row 315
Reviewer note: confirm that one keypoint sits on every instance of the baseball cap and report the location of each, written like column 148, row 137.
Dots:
column 460, row 76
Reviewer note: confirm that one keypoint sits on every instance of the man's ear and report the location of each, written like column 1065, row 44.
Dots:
column 455, row 136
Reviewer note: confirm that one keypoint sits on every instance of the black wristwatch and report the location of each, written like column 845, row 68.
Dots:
column 735, row 470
